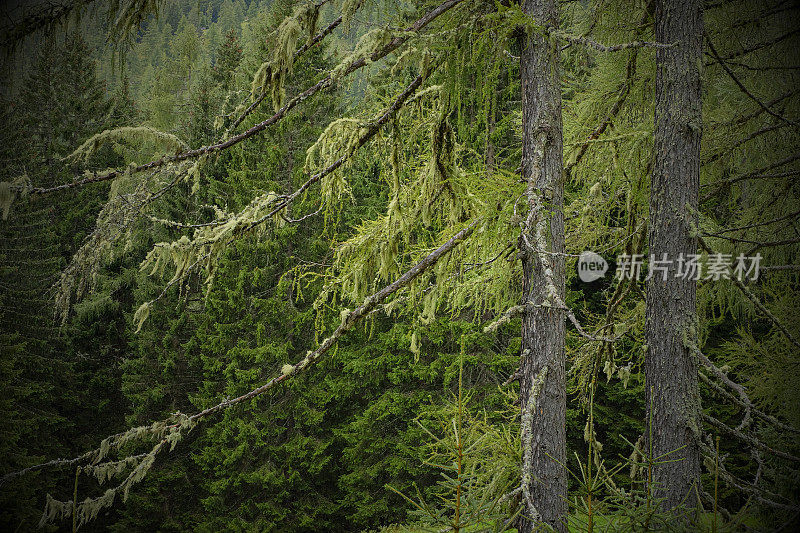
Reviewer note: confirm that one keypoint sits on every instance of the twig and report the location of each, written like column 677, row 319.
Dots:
column 752, row 441
column 741, row 86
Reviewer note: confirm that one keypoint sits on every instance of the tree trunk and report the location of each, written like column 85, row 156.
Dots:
column 542, row 382
column 673, row 398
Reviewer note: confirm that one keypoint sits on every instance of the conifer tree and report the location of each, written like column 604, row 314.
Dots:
column 543, row 379
column 672, row 394
column 229, row 55
column 59, row 103
column 408, row 208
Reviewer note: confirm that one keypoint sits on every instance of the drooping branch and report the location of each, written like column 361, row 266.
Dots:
column 49, row 464
column 741, row 397
column 299, row 52
column 760, row 46
column 761, row 495
column 742, row 402
column 790, row 216
column 630, row 71
column 761, row 307
column 577, row 39
column 753, row 298
column 757, row 244
column 205, row 244
column 349, row 321
column 114, row 221
column 38, row 17
column 324, row 83
column 740, row 142
column 370, row 132
column 721, row 184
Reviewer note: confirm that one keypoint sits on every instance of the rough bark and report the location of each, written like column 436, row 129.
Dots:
column 542, row 381
column 673, row 399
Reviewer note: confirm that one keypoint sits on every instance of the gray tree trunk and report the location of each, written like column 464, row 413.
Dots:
column 542, row 381
column 673, row 399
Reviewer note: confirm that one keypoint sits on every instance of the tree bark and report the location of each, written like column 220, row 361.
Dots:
column 673, row 399
column 542, row 382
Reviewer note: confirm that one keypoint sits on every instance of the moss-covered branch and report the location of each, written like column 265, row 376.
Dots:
column 324, row 83
column 172, row 430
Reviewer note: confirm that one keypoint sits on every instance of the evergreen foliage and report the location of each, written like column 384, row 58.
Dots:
column 374, row 138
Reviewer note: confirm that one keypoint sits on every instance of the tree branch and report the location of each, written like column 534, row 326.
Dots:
column 357, row 64
column 742, row 87
column 753, row 298
column 370, row 304
column 752, row 441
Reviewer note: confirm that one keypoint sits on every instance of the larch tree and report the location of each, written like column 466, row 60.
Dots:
column 542, row 374
column 672, row 393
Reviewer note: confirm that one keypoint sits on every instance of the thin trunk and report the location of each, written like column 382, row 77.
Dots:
column 542, row 384
column 673, row 399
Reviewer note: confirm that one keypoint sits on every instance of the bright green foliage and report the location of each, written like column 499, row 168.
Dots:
column 477, row 460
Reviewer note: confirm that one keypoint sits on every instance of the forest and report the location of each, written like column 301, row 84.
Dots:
column 400, row 265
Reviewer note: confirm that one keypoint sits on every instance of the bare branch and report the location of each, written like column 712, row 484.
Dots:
column 751, row 441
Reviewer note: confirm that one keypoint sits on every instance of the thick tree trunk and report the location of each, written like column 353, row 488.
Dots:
column 673, row 399
column 542, row 382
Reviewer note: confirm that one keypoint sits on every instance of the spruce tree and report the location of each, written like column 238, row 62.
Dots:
column 60, row 102
column 228, row 57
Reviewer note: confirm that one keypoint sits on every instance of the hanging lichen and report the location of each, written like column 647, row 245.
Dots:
column 272, row 74
column 130, row 14
column 7, row 196
column 201, row 253
column 369, row 44
column 130, row 196
column 348, row 9
column 133, row 135
column 55, row 510
column 10, row 191
column 169, row 431
column 109, row 470
column 141, row 315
